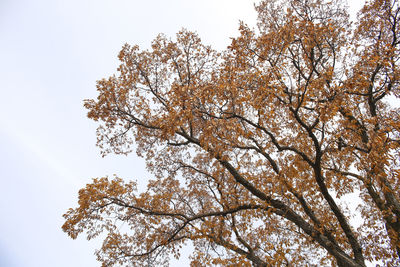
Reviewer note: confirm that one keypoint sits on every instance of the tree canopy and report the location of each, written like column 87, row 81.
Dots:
column 254, row 149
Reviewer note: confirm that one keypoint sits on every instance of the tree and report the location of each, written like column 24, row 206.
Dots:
column 253, row 149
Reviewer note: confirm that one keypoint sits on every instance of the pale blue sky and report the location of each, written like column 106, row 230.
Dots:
column 51, row 54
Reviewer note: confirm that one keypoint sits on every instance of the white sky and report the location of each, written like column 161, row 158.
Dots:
column 51, row 54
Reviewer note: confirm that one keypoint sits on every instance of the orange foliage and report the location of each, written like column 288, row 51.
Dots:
column 254, row 148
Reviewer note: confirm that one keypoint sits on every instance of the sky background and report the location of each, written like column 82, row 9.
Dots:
column 51, row 54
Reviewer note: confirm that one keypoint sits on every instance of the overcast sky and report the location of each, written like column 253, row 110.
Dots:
column 51, row 54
